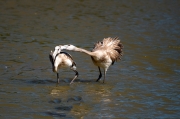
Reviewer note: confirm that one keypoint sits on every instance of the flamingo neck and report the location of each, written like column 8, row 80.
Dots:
column 84, row 51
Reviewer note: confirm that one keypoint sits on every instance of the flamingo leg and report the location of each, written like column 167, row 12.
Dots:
column 104, row 75
column 57, row 77
column 76, row 75
column 100, row 75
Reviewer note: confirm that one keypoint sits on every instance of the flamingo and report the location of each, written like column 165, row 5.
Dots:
column 60, row 60
column 104, row 53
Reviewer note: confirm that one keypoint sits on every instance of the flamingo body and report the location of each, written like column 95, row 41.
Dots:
column 62, row 60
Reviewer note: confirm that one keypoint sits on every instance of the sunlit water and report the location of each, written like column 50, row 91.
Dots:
column 144, row 84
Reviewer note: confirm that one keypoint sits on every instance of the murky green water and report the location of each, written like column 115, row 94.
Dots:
column 145, row 84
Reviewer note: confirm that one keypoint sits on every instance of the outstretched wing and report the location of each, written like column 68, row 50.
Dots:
column 112, row 46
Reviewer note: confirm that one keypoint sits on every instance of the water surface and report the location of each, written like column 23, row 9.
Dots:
column 145, row 83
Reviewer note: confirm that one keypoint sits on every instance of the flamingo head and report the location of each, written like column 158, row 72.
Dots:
column 58, row 50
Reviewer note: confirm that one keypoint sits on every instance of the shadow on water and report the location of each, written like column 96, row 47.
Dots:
column 84, row 80
column 55, row 114
column 75, row 98
column 38, row 81
column 64, row 81
column 62, row 108
column 55, row 101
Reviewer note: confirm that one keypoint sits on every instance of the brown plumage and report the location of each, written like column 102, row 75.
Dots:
column 113, row 47
column 104, row 53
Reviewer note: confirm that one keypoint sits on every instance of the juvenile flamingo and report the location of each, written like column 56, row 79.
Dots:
column 62, row 60
column 104, row 53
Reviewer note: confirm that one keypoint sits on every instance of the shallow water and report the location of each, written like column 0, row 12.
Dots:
column 145, row 83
